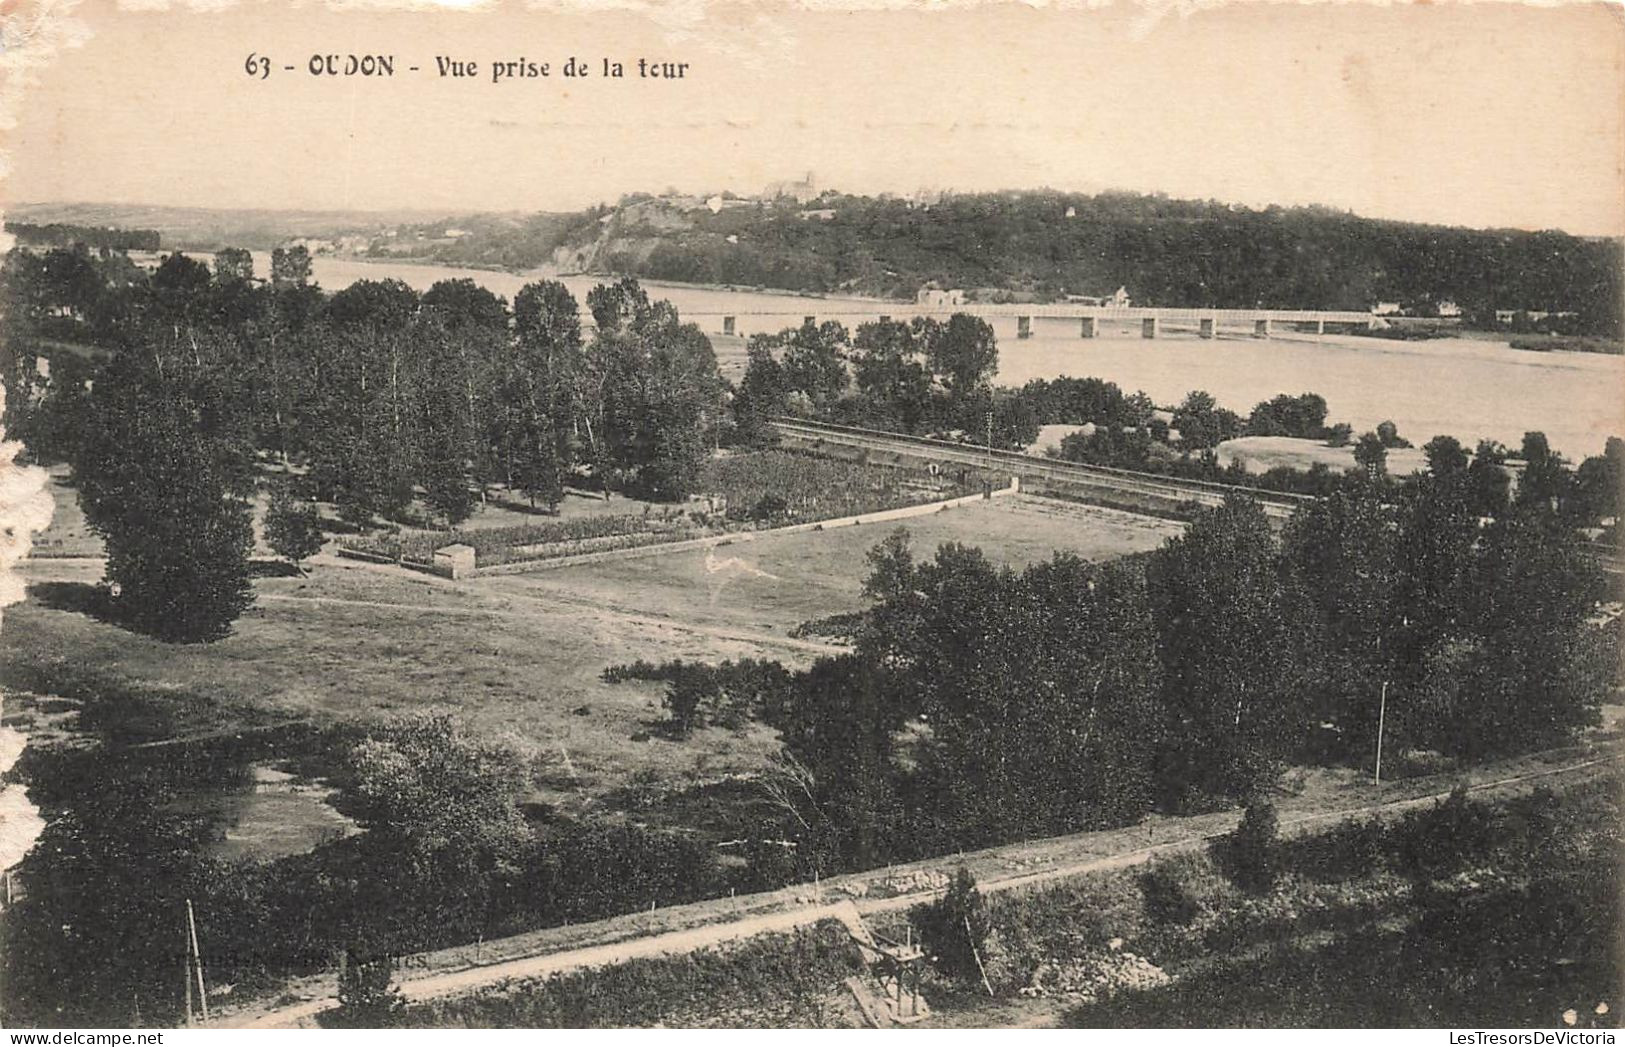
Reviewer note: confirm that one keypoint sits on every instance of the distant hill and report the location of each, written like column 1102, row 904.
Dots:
column 1044, row 245
column 1026, row 246
column 207, row 229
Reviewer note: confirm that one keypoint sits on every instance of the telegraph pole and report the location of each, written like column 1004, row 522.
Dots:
column 987, row 484
column 1382, row 715
column 195, row 967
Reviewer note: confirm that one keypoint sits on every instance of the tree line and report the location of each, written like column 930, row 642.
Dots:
column 168, row 391
column 96, row 237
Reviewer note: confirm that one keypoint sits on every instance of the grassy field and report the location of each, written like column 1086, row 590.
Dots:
column 517, row 656
column 775, row 583
column 1263, row 453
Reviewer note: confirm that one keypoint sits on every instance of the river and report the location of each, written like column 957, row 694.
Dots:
column 1468, row 388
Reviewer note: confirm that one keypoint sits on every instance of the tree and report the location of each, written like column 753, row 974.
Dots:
column 462, row 301
column 293, row 529
column 1234, row 634
column 1371, row 454
column 375, row 304
column 445, row 479
column 1202, row 423
column 613, row 306
column 1340, row 550
column 890, row 378
column 1250, row 851
column 1599, row 484
column 763, row 393
column 1388, row 433
column 423, row 783
column 1300, row 416
column 540, row 401
column 954, row 929
column 291, row 265
column 1534, row 676
column 962, row 353
column 655, row 393
column 367, row 999
column 1488, row 481
column 814, row 362
column 1445, row 456
column 162, row 480
column 233, row 264
column 1545, row 479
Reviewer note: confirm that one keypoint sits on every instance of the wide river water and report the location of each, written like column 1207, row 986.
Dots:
column 1467, row 388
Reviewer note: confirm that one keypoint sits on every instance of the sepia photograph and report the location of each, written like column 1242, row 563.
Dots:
column 831, row 515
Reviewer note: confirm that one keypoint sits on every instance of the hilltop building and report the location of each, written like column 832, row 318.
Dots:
column 803, row 191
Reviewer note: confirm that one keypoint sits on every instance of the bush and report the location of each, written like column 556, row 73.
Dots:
column 1430, row 843
column 1250, row 855
column 770, row 507
column 954, row 929
column 1167, row 898
column 293, row 529
column 1345, row 851
column 367, row 1000
column 1339, row 435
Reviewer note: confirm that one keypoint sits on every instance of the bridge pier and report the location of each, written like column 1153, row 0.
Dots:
column 1261, row 328
column 1148, row 327
column 1205, row 327
column 1088, row 329
column 1320, row 326
column 1024, row 327
column 728, row 325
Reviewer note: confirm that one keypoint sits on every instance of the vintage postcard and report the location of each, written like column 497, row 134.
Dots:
column 832, row 515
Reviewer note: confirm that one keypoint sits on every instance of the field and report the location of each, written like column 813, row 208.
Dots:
column 738, row 492
column 516, row 656
column 775, row 583
column 1263, row 453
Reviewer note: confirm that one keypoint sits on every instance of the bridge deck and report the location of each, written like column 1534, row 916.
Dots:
column 1057, row 311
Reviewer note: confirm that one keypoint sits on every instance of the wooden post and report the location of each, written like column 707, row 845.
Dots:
column 1382, row 716
column 197, row 960
column 970, row 939
column 186, row 964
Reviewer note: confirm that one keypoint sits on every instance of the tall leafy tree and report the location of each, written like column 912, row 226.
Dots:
column 890, row 374
column 963, row 354
column 1233, row 631
column 163, row 480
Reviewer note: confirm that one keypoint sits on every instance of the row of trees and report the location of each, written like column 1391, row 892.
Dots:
column 165, row 390
column 922, row 374
column 66, row 234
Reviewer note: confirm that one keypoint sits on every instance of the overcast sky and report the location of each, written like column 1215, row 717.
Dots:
column 1481, row 115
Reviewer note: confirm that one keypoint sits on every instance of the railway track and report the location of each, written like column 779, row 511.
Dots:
column 1167, row 491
